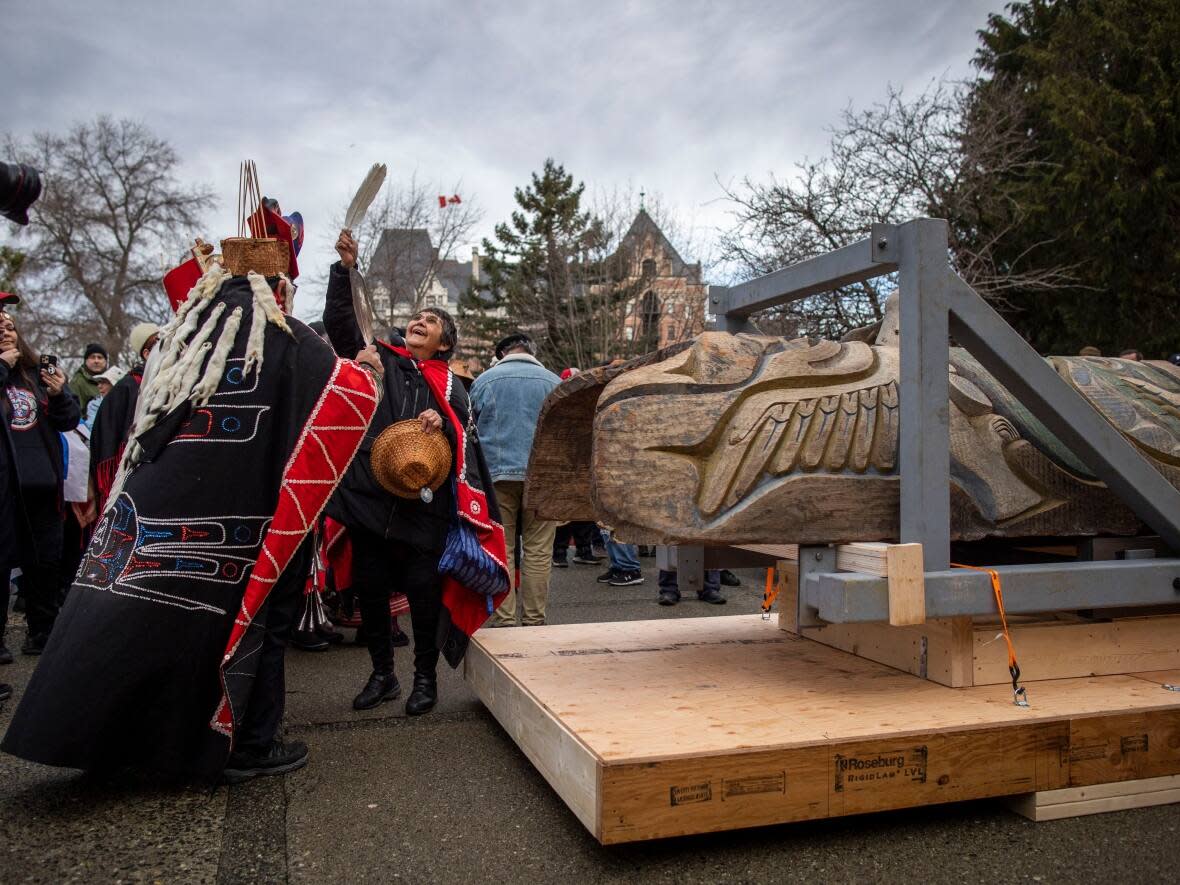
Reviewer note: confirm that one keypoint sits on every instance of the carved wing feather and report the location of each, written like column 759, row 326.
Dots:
column 854, row 431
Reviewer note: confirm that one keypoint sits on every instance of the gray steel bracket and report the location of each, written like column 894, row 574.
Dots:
column 849, row 598
column 814, row 563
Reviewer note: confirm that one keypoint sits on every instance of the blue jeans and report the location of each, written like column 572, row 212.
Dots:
column 623, row 557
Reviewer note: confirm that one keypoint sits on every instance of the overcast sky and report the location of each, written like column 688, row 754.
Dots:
column 664, row 96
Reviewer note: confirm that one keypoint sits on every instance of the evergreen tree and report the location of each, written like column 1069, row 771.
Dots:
column 550, row 273
column 1098, row 83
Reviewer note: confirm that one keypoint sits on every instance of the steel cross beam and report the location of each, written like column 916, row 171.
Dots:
column 918, row 249
column 850, row 598
column 1067, row 414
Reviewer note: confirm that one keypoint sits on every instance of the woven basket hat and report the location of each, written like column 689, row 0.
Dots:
column 263, row 255
column 409, row 462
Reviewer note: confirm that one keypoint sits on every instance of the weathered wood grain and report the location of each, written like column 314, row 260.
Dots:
column 746, row 439
column 558, row 478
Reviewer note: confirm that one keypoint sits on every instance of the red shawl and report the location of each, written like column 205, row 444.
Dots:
column 468, row 609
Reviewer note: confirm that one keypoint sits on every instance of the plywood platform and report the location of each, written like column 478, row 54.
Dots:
column 661, row 728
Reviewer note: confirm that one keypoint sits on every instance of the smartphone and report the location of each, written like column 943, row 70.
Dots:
column 48, row 363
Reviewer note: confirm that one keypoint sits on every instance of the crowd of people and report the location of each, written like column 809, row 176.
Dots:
column 55, row 435
column 141, row 568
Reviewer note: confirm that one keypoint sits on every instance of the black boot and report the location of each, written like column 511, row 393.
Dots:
column 381, row 687
column 278, row 758
column 34, row 643
column 424, row 696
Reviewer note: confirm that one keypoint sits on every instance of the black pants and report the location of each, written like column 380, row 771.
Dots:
column 39, row 567
column 582, row 534
column 268, row 698
column 379, row 568
column 75, row 540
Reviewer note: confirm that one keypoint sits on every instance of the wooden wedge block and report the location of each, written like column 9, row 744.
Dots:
column 907, row 584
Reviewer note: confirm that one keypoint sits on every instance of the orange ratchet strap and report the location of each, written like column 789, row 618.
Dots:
column 1019, row 694
column 770, row 594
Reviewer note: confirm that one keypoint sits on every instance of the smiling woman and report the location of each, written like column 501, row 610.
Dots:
column 397, row 542
column 430, row 333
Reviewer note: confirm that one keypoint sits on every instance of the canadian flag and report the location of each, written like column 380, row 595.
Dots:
column 444, row 201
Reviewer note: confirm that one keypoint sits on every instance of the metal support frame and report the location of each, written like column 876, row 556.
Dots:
column 846, row 597
column 935, row 303
column 688, row 561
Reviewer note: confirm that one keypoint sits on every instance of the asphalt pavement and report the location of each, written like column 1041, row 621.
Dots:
column 447, row 797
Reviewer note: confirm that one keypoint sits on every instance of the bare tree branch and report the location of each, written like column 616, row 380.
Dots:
column 109, row 223
column 935, row 156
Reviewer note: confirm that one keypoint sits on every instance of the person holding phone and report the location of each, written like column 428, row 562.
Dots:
column 35, row 406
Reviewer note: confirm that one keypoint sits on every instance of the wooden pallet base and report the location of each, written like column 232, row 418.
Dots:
column 662, row 728
column 1097, row 799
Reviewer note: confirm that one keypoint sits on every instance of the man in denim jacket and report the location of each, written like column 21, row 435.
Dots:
column 506, row 400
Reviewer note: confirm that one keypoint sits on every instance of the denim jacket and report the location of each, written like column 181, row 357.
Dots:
column 506, row 400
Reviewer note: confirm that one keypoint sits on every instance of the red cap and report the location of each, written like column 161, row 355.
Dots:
column 7, row 298
column 180, row 280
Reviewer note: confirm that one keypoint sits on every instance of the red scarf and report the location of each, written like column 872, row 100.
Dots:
column 468, row 609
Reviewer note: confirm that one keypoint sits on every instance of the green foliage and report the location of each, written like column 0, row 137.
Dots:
column 552, row 273
column 1098, row 82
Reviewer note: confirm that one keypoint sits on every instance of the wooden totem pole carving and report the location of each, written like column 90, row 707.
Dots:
column 753, row 439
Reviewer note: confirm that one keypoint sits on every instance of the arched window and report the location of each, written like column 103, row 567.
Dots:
column 649, row 315
column 649, row 269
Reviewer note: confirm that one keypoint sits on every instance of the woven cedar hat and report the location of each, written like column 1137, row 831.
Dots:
column 407, row 461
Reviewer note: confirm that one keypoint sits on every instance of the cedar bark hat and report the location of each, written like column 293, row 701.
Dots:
column 409, row 462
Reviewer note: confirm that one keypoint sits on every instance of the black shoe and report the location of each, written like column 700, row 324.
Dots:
column 5, row 654
column 561, row 563
column 712, row 596
column 626, row 579
column 308, row 640
column 278, row 758
column 381, row 687
column 5, row 691
column 34, row 644
column 424, row 696
column 586, row 559
column 729, row 579
column 399, row 639
column 329, row 635
column 607, row 576
column 669, row 597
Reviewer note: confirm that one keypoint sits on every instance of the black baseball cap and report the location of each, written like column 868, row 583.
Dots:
column 512, row 340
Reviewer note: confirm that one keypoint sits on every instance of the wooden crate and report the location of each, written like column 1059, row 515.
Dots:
column 661, row 728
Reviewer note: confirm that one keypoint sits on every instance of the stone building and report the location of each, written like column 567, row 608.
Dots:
column 406, row 274
column 670, row 306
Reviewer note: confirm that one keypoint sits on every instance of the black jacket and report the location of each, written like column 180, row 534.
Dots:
column 58, row 414
column 360, row 501
column 108, row 436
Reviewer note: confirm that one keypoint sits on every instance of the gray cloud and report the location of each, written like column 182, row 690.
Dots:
column 667, row 95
